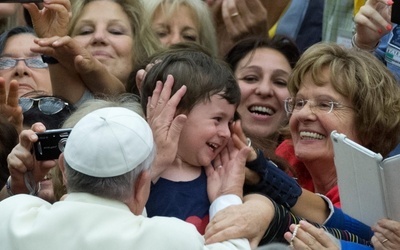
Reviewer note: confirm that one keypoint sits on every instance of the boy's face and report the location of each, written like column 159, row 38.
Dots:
column 206, row 131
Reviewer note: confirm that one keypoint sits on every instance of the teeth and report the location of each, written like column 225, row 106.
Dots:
column 212, row 145
column 262, row 110
column 311, row 135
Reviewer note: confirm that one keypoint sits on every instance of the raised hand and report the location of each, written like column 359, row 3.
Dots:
column 166, row 127
column 372, row 22
column 227, row 178
column 9, row 107
column 21, row 160
column 52, row 19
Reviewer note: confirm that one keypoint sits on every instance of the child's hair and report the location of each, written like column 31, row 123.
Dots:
column 192, row 66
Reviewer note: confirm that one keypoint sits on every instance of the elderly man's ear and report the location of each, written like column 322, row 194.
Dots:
column 140, row 193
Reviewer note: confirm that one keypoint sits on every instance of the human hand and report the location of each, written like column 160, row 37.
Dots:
column 75, row 59
column 9, row 106
column 243, row 18
column 52, row 19
column 228, row 177
column 68, row 52
column 249, row 220
column 372, row 23
column 306, row 236
column 386, row 235
column 166, row 127
column 141, row 74
column 240, row 140
column 21, row 160
column 236, row 19
column 7, row 9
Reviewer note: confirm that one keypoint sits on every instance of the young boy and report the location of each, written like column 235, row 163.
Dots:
column 209, row 104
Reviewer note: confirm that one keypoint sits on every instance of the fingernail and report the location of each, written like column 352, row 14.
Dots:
column 390, row 2
column 389, row 27
column 380, row 31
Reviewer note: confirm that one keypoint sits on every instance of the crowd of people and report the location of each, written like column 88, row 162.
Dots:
column 193, row 124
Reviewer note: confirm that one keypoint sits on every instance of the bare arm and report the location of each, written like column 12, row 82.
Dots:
column 76, row 70
column 21, row 160
column 372, row 23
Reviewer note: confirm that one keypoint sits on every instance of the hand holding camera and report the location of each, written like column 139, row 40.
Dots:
column 22, row 161
column 50, row 144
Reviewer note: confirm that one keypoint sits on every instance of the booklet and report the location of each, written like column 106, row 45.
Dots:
column 369, row 186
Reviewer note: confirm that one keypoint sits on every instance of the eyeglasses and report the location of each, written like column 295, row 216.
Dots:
column 318, row 105
column 32, row 62
column 47, row 105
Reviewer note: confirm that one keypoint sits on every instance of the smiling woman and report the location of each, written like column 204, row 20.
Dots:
column 18, row 62
column 262, row 68
column 175, row 21
column 106, row 39
column 350, row 91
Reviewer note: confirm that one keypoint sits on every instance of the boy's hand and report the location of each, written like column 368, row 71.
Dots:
column 227, row 178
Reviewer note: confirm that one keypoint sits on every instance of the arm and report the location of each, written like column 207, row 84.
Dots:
column 166, row 127
column 372, row 23
column 21, row 161
column 76, row 70
column 248, row 220
column 264, row 177
column 226, row 182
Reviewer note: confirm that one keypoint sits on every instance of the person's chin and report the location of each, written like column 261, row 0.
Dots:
column 47, row 195
column 24, row 89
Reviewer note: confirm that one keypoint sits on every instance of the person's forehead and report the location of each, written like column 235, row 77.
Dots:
column 19, row 45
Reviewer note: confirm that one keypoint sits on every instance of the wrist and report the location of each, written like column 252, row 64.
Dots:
column 222, row 202
column 27, row 187
column 360, row 46
column 13, row 187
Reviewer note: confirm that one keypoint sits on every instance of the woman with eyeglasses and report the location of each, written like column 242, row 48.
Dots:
column 344, row 90
column 18, row 62
column 331, row 88
column 350, row 91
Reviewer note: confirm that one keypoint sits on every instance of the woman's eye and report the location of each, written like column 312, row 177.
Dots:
column 280, row 83
column 116, row 31
column 324, row 104
column 85, row 31
column 218, row 119
column 190, row 38
column 250, row 79
column 161, row 33
column 299, row 103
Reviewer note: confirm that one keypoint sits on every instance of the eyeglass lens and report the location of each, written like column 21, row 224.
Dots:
column 32, row 62
column 47, row 105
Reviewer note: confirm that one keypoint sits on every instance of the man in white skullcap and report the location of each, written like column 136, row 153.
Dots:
column 106, row 164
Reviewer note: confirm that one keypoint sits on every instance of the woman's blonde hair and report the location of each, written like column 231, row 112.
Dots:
column 145, row 43
column 362, row 79
column 204, row 19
